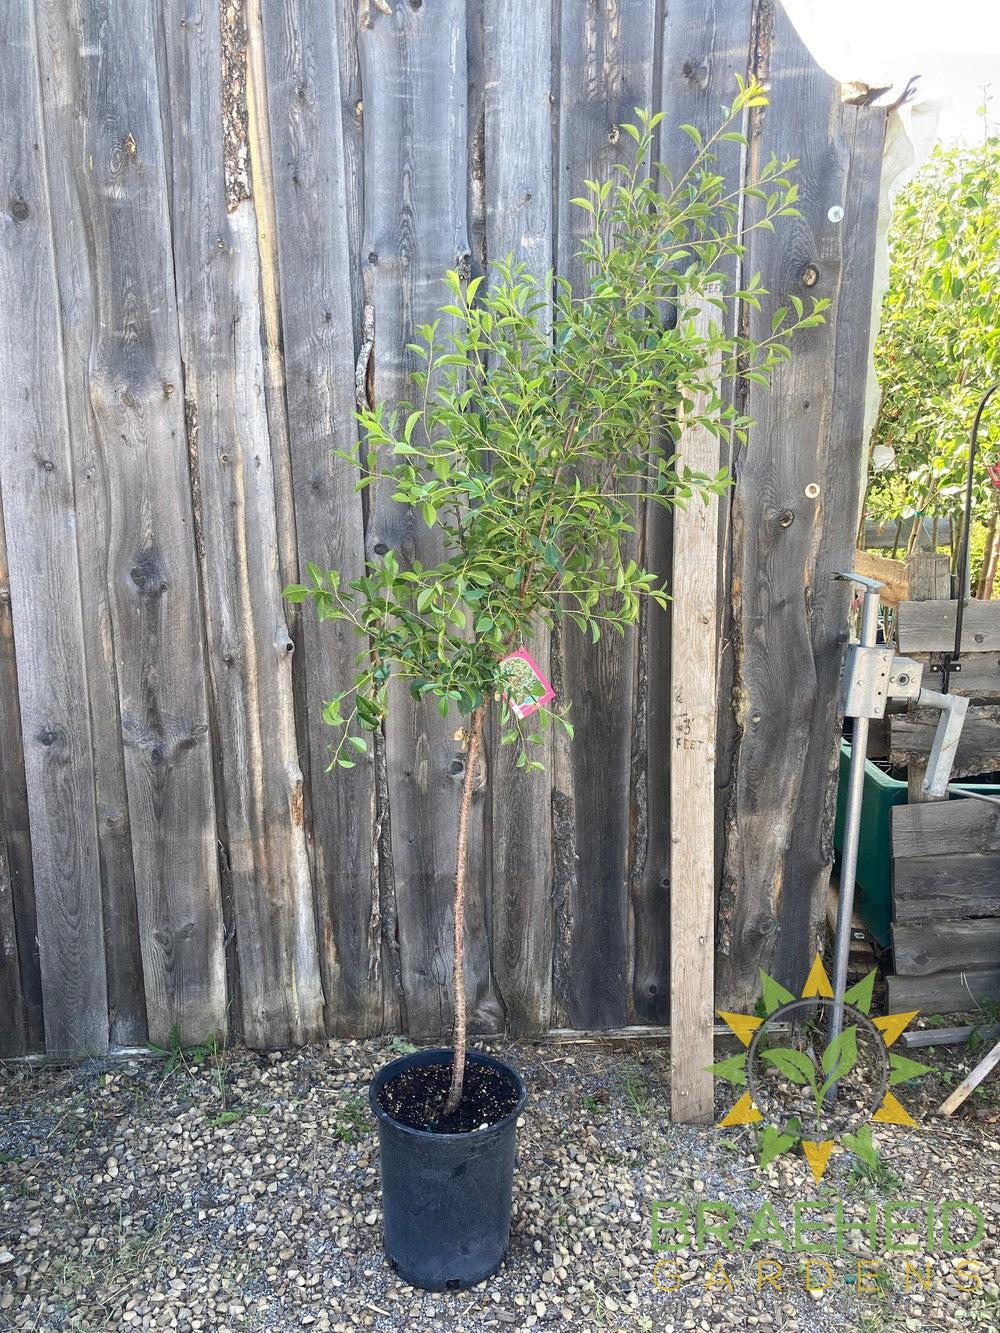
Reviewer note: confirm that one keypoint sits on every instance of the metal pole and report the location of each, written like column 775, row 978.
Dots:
column 852, row 830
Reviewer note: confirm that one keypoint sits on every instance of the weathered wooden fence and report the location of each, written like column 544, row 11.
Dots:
column 221, row 221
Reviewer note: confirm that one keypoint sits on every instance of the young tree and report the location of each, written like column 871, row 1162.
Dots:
column 938, row 347
column 531, row 442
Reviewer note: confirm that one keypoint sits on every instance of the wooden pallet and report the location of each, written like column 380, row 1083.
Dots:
column 946, row 905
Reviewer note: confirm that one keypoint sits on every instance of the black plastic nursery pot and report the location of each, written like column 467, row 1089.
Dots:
column 446, row 1197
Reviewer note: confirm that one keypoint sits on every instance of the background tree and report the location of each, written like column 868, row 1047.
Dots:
column 530, row 446
column 938, row 346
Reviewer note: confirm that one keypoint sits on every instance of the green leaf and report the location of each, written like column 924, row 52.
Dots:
column 733, row 1070
column 839, row 1058
column 861, row 1145
column 773, row 1143
column 902, row 1069
column 775, row 995
column 794, row 1065
column 411, row 421
column 860, row 995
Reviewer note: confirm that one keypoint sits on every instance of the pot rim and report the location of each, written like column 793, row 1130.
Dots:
column 439, row 1055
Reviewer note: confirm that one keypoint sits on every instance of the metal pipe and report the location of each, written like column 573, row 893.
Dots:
column 852, row 832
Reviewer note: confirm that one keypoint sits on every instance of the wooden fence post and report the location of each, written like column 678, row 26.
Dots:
column 693, row 674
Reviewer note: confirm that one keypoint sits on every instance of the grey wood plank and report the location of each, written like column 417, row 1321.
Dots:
column 318, row 328
column 929, row 627
column 76, row 279
column 911, row 735
column 12, row 1035
column 413, row 74
column 794, row 520
column 943, row 992
column 942, row 888
column 704, row 44
column 249, row 648
column 517, row 75
column 979, row 676
column 13, row 1016
column 946, row 946
column 945, row 829
column 605, row 70
column 106, row 113
column 39, row 520
column 948, row 1036
column 21, row 989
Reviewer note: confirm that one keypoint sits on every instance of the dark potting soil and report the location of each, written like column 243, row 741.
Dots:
column 417, row 1095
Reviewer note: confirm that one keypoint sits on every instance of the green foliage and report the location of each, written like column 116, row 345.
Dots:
column 542, row 420
column 175, row 1055
column 351, row 1119
column 938, row 347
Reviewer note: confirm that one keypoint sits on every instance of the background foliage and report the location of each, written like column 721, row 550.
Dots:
column 938, row 347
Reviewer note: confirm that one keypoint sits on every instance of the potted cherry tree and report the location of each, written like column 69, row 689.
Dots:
column 540, row 424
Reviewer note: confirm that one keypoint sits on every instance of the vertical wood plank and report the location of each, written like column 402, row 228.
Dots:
column 14, row 1029
column 13, row 1039
column 705, row 43
column 312, row 212
column 76, row 280
column 794, row 509
column 693, row 694
column 37, row 484
column 517, row 73
column 103, row 107
column 605, row 59
column 24, row 996
column 249, row 648
column 413, row 70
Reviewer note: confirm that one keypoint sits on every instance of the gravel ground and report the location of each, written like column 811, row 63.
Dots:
column 241, row 1193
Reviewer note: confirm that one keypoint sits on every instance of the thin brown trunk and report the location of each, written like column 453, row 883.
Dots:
column 957, row 524
column 988, row 574
column 895, row 540
column 461, row 859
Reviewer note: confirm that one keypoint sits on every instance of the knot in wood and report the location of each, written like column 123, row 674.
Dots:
column 147, row 573
column 695, row 70
column 19, row 210
column 809, row 276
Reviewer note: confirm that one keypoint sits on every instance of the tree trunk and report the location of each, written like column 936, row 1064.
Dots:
column 988, row 573
column 461, row 859
column 895, row 540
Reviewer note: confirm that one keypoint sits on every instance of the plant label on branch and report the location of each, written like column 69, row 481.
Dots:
column 525, row 688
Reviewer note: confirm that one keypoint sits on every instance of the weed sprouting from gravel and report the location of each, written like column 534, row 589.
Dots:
column 351, row 1119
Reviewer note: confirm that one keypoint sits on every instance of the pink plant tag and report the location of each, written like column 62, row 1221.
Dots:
column 527, row 689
